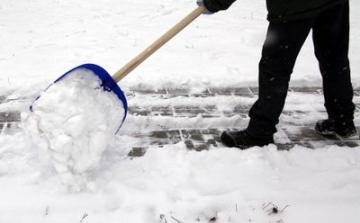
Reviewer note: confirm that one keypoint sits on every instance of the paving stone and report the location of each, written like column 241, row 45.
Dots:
column 222, row 91
column 159, row 134
column 211, row 131
column 187, row 111
column 294, row 113
column 254, row 90
column 137, row 152
column 357, row 108
column 178, row 92
column 303, row 134
column 189, row 144
column 149, row 91
column 285, row 146
column 174, row 136
column 193, row 134
column 210, row 111
column 244, row 92
column 193, row 111
column 2, row 98
column 211, row 142
column 165, row 137
column 10, row 116
column 162, row 111
column 351, row 144
column 311, row 90
column 204, row 94
column 135, row 110
column 242, row 110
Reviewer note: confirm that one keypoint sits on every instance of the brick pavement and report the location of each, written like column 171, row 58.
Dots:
column 292, row 130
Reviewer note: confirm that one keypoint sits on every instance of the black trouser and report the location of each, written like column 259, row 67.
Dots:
column 281, row 48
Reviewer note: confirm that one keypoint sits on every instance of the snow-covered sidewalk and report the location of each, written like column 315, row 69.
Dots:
column 168, row 165
column 196, row 119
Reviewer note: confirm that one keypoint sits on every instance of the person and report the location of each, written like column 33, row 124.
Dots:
column 290, row 22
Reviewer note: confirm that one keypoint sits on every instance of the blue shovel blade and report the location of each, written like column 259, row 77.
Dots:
column 108, row 83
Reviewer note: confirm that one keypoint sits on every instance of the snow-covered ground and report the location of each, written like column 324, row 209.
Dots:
column 42, row 39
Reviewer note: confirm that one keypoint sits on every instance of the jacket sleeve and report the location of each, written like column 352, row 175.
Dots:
column 217, row 5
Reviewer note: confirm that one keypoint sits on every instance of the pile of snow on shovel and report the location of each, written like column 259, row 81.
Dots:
column 73, row 122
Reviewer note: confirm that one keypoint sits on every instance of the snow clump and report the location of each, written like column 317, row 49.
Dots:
column 73, row 122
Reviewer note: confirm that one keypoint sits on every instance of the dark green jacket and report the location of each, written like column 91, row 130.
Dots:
column 282, row 10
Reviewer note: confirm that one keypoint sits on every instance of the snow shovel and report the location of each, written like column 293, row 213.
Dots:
column 109, row 83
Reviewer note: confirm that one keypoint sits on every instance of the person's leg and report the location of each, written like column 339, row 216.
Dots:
column 280, row 50
column 331, row 43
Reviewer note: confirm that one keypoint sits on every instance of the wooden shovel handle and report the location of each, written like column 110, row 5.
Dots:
column 157, row 44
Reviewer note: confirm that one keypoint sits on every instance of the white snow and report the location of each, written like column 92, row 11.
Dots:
column 73, row 122
column 41, row 39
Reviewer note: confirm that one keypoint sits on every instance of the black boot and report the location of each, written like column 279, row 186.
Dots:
column 329, row 128
column 243, row 140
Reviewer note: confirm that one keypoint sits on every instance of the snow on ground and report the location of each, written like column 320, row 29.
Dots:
column 41, row 39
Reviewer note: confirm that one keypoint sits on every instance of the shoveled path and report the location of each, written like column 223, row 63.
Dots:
column 293, row 129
